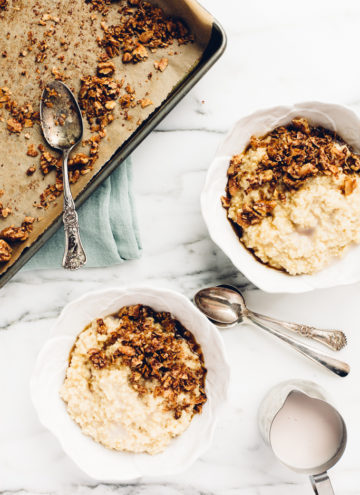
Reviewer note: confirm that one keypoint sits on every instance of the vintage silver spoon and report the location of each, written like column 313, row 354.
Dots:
column 226, row 308
column 334, row 339
column 62, row 127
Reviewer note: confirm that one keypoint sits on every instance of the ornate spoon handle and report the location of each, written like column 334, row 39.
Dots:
column 74, row 255
column 334, row 339
column 338, row 367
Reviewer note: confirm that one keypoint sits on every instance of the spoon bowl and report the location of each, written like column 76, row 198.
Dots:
column 61, row 119
column 222, row 305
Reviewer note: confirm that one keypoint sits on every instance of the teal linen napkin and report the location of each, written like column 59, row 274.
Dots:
column 108, row 226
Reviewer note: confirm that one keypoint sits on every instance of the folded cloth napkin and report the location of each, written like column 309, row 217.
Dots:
column 108, row 226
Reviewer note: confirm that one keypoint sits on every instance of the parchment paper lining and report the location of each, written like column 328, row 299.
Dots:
column 22, row 191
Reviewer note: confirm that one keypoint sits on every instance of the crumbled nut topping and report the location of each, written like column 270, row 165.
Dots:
column 21, row 116
column 31, row 170
column 145, row 102
column 5, row 251
column 16, row 234
column 349, row 186
column 106, row 68
column 143, row 27
column 151, row 343
column 99, row 5
column 32, row 151
column 292, row 155
column 49, row 162
column 161, row 64
column 4, row 211
column 101, row 326
column 14, row 125
column 95, row 95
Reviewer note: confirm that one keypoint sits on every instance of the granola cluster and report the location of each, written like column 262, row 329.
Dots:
column 98, row 95
column 5, row 251
column 143, row 27
column 290, row 156
column 22, row 117
column 99, row 5
column 15, row 234
column 151, row 344
column 12, row 235
column 5, row 211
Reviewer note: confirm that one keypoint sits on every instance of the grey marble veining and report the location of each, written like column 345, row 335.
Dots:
column 278, row 52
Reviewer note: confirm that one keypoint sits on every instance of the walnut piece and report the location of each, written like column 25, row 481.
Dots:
column 145, row 102
column 18, row 234
column 32, row 151
column 349, row 186
column 14, row 125
column 5, row 251
column 31, row 170
column 105, row 68
column 97, row 358
column 5, row 211
column 161, row 64
column 101, row 326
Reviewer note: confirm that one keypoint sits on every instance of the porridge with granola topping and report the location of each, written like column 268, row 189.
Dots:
column 293, row 197
column 135, row 380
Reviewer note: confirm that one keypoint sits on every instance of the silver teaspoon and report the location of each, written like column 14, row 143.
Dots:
column 62, row 126
column 224, row 306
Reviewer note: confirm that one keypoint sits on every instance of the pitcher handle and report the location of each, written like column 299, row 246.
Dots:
column 321, row 484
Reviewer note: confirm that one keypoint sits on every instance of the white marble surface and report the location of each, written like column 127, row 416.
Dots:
column 278, row 52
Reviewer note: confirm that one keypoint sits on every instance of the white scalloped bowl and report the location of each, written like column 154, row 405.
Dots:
column 49, row 373
column 345, row 270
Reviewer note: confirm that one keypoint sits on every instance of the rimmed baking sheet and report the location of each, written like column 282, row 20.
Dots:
column 206, row 58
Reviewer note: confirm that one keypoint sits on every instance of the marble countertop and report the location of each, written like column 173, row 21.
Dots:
column 278, row 52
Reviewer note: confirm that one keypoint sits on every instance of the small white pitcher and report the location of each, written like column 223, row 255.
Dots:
column 271, row 406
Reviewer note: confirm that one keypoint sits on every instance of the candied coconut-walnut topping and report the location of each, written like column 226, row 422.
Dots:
column 274, row 197
column 5, row 251
column 21, row 116
column 5, row 211
column 161, row 64
column 97, row 98
column 138, row 370
column 16, row 234
column 143, row 26
column 99, row 5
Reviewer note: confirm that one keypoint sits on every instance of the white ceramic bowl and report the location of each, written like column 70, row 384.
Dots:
column 49, row 373
column 345, row 270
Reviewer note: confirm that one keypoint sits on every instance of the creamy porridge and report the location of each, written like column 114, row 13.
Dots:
column 135, row 380
column 294, row 197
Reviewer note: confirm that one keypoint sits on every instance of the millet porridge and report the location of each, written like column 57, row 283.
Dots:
column 294, row 197
column 135, row 380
